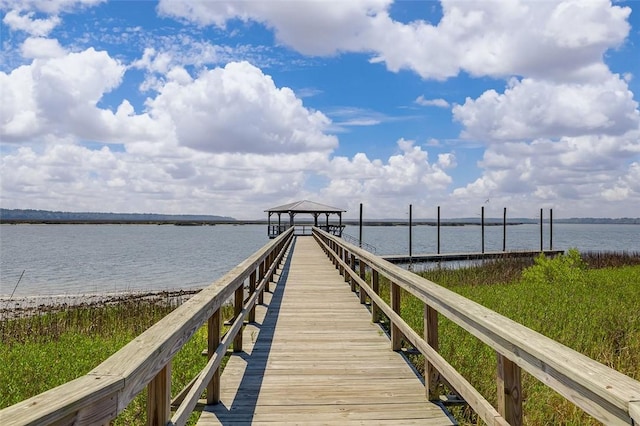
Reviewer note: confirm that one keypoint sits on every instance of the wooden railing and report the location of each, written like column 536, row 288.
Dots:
column 99, row 396
column 605, row 394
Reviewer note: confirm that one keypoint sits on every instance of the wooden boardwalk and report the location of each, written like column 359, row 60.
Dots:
column 316, row 358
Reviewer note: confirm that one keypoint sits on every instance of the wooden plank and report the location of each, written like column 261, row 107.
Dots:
column 509, row 391
column 431, row 375
column 159, row 397
column 313, row 355
column 214, row 328
column 634, row 411
column 447, row 257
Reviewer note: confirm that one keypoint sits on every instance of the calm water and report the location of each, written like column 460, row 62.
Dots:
column 87, row 259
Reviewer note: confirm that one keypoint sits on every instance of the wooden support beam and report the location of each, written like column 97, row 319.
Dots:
column 159, row 397
column 431, row 375
column 261, row 270
column 252, row 289
column 269, row 261
column 363, row 294
column 213, row 340
column 352, row 263
column 509, row 391
column 238, row 305
column 396, row 335
column 375, row 286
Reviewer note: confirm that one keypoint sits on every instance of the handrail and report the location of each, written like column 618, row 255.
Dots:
column 353, row 240
column 99, row 396
column 606, row 394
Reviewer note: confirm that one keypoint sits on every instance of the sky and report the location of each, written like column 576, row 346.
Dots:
column 232, row 107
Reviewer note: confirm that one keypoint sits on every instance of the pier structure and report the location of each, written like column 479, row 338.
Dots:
column 314, row 340
column 304, row 207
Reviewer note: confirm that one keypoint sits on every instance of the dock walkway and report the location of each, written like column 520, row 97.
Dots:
column 313, row 356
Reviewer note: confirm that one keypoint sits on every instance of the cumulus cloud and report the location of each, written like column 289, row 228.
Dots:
column 239, row 109
column 496, row 38
column 404, row 178
column 40, row 47
column 531, row 108
column 59, row 94
column 572, row 168
column 69, row 176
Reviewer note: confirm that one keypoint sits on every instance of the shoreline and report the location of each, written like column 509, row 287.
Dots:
column 24, row 306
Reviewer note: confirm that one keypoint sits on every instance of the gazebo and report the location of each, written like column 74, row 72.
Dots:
column 308, row 207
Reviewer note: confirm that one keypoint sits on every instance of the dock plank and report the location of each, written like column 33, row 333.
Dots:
column 314, row 357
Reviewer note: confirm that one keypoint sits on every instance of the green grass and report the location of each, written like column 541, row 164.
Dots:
column 593, row 311
column 50, row 348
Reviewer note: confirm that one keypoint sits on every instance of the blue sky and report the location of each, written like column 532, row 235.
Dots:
column 232, row 107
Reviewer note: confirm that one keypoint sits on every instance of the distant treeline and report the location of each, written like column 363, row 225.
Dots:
column 45, row 216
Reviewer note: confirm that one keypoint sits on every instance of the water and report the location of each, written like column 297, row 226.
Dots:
column 456, row 239
column 93, row 259
column 87, row 259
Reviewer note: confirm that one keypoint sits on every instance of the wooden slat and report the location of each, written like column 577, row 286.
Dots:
column 315, row 357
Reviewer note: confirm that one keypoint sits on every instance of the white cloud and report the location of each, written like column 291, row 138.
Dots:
column 530, row 109
column 573, row 173
column 407, row 177
column 59, row 95
column 239, row 109
column 316, row 28
column 43, row 48
column 440, row 103
column 26, row 22
column 49, row 6
column 496, row 38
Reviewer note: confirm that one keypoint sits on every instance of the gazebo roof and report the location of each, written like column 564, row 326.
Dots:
column 304, row 206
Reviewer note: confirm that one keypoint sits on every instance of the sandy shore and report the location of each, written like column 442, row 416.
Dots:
column 32, row 305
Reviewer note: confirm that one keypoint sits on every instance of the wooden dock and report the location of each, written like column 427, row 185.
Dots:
column 315, row 357
column 449, row 257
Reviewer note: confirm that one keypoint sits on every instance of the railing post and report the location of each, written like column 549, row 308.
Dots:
column 375, row 286
column 252, row 289
column 266, row 269
column 159, row 397
column 213, row 340
column 431, row 375
column 509, row 391
column 345, row 259
column 260, row 277
column 363, row 294
column 238, row 305
column 396, row 336
column 353, row 268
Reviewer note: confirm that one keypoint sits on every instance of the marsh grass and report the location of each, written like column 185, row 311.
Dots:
column 571, row 299
column 52, row 346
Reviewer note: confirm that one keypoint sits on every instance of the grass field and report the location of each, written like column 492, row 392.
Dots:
column 42, row 351
column 590, row 305
column 592, row 309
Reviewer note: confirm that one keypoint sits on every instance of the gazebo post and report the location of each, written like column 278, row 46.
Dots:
column 269, row 225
